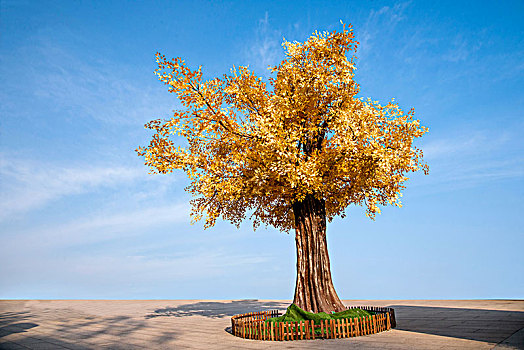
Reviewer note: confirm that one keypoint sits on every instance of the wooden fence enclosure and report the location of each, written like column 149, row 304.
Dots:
column 253, row 325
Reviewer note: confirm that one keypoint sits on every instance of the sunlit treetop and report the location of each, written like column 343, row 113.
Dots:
column 257, row 148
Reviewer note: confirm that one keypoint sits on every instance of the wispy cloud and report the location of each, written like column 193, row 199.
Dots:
column 114, row 275
column 100, row 227
column 378, row 22
column 28, row 185
column 472, row 158
column 266, row 49
column 461, row 49
column 80, row 86
column 466, row 143
column 137, row 260
column 452, row 176
column 203, row 263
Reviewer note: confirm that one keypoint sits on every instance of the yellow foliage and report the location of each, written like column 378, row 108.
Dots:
column 254, row 148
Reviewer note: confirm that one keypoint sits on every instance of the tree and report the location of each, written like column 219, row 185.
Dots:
column 294, row 153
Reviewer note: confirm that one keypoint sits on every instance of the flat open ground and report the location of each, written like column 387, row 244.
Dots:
column 202, row 324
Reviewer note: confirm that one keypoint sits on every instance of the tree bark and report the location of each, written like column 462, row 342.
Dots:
column 314, row 290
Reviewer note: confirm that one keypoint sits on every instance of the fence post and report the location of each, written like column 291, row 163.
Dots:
column 306, row 329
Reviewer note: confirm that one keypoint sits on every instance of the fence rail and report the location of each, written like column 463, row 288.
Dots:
column 253, row 325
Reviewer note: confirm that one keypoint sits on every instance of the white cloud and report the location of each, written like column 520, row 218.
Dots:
column 465, row 144
column 129, row 221
column 445, row 177
column 99, row 228
column 42, row 250
column 266, row 49
column 461, row 49
column 207, row 262
column 77, row 86
column 472, row 158
column 123, row 276
column 106, row 102
column 28, row 185
column 385, row 19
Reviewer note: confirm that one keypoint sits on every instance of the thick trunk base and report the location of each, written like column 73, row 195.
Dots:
column 314, row 290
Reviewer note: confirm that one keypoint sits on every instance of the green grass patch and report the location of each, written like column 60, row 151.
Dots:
column 296, row 314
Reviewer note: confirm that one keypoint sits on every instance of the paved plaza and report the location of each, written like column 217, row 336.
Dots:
column 204, row 324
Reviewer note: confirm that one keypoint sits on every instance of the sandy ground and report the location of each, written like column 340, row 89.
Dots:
column 203, row 324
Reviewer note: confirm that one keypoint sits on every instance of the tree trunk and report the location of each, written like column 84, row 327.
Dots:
column 314, row 290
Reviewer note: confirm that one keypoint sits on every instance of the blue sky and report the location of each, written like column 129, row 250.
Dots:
column 81, row 218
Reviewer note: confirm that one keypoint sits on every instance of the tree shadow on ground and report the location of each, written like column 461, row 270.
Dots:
column 473, row 324
column 13, row 322
column 217, row 309
column 16, row 328
column 73, row 329
column 122, row 327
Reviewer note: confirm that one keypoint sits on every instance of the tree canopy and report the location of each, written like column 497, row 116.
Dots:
column 257, row 147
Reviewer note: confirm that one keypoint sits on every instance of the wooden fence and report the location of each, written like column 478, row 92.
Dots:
column 253, row 325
